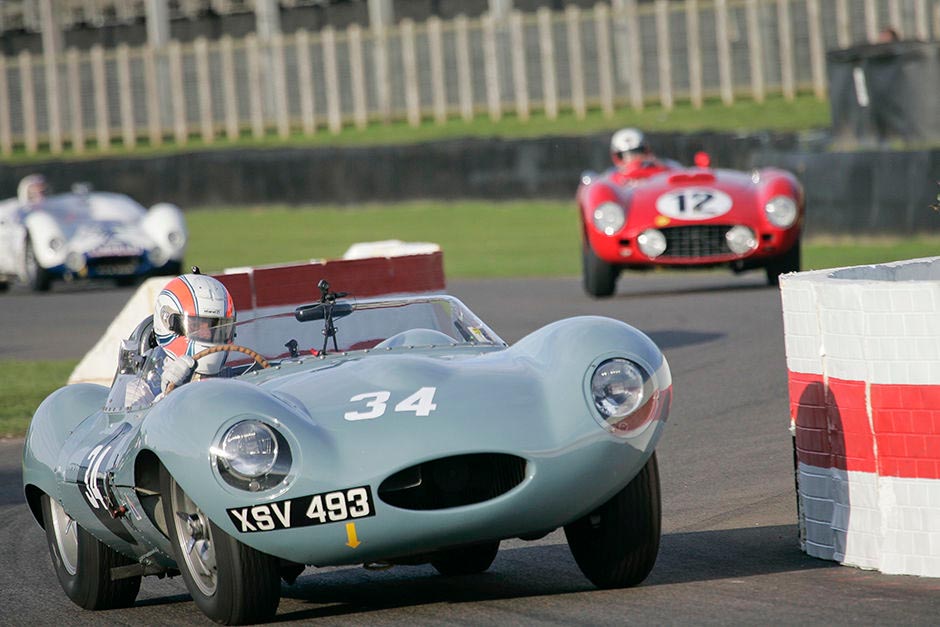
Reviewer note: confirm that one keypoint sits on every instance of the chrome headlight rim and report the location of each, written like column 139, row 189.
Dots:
column 781, row 211
column 641, row 414
column 609, row 217
column 269, row 474
column 741, row 239
column 652, row 243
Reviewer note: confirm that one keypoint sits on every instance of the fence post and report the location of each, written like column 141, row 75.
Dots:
column 409, row 62
column 664, row 52
column 180, row 128
column 755, row 48
column 279, row 84
column 227, row 61
column 102, row 123
column 151, row 84
column 895, row 19
column 357, row 76
column 635, row 56
column 255, row 86
column 724, row 51
column 74, row 87
column 334, row 116
column 206, row 122
column 871, row 20
column 786, row 50
column 547, row 52
column 464, row 69
column 575, row 60
column 694, row 52
column 6, row 135
column 843, row 26
column 126, row 95
column 817, row 55
column 921, row 21
column 605, row 66
column 491, row 69
column 305, row 82
column 520, row 80
column 51, row 49
column 436, row 51
column 383, row 89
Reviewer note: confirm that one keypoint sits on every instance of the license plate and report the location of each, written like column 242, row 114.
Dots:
column 304, row 511
column 111, row 269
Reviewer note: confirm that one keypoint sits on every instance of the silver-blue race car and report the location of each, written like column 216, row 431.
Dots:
column 374, row 431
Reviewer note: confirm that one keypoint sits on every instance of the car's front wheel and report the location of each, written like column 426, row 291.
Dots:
column 600, row 277
column 466, row 560
column 616, row 545
column 231, row 583
column 787, row 262
column 83, row 564
column 37, row 278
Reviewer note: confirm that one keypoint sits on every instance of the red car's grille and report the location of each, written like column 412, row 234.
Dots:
column 706, row 240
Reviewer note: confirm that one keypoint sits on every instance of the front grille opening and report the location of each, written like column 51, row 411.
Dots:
column 453, row 481
column 706, row 240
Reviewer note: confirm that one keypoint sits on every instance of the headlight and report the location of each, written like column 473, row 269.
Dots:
column 741, row 239
column 157, row 256
column 652, row 243
column 621, row 392
column 781, row 211
column 252, row 456
column 75, row 262
column 176, row 238
column 56, row 243
column 609, row 218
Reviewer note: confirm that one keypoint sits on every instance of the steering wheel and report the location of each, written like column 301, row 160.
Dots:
column 236, row 348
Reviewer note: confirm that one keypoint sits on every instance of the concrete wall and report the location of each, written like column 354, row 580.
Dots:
column 859, row 192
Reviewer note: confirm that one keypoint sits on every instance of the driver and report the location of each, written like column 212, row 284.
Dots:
column 193, row 312
column 32, row 189
column 633, row 156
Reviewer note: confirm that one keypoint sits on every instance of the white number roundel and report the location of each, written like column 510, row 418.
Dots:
column 694, row 203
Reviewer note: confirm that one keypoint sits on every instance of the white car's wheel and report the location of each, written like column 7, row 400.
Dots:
column 231, row 583
column 83, row 564
column 616, row 545
column 37, row 278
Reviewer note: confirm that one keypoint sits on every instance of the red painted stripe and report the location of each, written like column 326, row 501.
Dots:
column 833, row 428
column 239, row 288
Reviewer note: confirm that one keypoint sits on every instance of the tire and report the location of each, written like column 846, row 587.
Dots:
column 600, row 277
column 83, row 564
column 126, row 281
column 787, row 262
column 171, row 268
column 615, row 546
column 37, row 278
column 466, row 560
column 231, row 583
column 4, row 286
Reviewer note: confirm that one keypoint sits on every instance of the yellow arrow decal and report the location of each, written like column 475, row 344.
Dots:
column 351, row 539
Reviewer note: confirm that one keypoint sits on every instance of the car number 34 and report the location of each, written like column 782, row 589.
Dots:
column 373, row 404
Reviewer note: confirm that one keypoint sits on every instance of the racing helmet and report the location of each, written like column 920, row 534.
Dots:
column 194, row 312
column 626, row 144
column 32, row 189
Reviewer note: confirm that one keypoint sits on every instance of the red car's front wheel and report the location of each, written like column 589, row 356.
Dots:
column 600, row 277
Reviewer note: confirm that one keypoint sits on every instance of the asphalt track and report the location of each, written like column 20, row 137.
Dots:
column 729, row 550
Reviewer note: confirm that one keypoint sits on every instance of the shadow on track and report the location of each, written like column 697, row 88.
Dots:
column 521, row 572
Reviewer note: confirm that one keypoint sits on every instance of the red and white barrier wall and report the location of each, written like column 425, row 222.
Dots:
column 863, row 355
column 256, row 290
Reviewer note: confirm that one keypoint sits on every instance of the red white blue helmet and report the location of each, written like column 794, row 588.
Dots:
column 194, row 312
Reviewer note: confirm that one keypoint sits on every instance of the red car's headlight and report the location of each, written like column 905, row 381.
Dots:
column 609, row 218
column 781, row 211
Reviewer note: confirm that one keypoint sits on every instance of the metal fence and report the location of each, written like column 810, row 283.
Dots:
column 545, row 62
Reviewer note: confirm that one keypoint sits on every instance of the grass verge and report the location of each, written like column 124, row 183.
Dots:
column 23, row 385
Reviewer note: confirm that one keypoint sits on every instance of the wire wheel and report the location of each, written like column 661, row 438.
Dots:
column 194, row 536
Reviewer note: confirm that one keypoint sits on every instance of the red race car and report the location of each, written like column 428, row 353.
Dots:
column 658, row 213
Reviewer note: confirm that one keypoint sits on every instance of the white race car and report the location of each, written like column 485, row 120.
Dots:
column 86, row 234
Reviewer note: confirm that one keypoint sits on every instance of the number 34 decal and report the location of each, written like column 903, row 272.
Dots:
column 374, row 404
